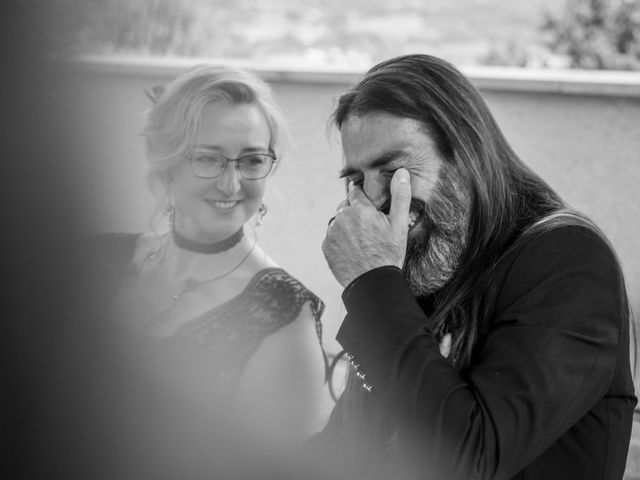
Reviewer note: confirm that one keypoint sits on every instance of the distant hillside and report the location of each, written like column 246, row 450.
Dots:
column 353, row 32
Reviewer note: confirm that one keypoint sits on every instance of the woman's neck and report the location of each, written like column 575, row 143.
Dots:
column 181, row 263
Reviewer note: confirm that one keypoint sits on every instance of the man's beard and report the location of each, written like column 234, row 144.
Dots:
column 437, row 241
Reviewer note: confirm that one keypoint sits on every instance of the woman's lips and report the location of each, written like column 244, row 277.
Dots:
column 223, row 205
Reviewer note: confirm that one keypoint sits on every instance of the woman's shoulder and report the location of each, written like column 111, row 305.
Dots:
column 120, row 253
column 113, row 247
column 124, row 245
column 109, row 257
column 282, row 291
column 287, row 300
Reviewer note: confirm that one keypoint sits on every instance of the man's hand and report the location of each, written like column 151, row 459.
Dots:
column 361, row 238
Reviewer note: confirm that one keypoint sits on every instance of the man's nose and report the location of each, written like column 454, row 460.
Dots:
column 376, row 192
column 229, row 181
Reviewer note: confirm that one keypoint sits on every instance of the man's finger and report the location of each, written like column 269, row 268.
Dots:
column 400, row 200
column 342, row 205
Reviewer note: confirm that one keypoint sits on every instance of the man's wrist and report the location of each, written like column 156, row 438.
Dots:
column 364, row 276
column 382, row 318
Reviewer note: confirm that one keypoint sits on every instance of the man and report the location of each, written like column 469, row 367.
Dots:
column 487, row 323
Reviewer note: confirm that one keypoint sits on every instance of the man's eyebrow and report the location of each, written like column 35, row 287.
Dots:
column 346, row 172
column 380, row 161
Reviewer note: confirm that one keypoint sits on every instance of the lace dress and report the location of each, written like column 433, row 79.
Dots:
column 217, row 344
column 229, row 334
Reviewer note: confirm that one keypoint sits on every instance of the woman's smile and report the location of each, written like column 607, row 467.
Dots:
column 223, row 205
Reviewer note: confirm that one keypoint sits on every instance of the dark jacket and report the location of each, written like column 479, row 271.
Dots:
column 548, row 395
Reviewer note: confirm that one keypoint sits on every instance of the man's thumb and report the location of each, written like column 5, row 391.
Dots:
column 400, row 200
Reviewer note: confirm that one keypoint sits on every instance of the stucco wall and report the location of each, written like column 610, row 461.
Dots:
column 583, row 137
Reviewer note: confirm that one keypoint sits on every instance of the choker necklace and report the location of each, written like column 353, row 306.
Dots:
column 208, row 248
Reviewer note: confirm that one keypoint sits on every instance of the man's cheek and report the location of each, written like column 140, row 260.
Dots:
column 420, row 223
column 413, row 218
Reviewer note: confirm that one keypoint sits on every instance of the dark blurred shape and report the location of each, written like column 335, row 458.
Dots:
column 77, row 400
column 47, row 340
column 81, row 397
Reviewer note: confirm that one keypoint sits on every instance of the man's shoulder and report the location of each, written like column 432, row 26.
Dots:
column 551, row 246
column 569, row 257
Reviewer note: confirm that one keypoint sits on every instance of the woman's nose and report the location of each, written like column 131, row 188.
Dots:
column 229, row 181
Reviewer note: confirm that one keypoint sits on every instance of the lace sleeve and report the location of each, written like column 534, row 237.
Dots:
column 284, row 297
column 233, row 331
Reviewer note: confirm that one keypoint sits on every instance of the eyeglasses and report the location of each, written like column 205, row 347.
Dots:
column 252, row 166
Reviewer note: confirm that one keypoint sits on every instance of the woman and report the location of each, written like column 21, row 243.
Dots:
column 227, row 319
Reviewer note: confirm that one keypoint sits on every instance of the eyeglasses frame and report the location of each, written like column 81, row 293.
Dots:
column 237, row 160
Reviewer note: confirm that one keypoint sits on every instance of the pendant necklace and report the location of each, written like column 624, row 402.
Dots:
column 192, row 284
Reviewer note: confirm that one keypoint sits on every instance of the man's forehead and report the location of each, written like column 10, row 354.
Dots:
column 377, row 138
column 379, row 120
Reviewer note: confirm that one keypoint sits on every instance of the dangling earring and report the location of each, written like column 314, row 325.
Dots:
column 262, row 211
column 170, row 211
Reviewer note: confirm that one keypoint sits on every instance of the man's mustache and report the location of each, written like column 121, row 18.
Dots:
column 418, row 207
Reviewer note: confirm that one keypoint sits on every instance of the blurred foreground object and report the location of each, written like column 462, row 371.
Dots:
column 79, row 401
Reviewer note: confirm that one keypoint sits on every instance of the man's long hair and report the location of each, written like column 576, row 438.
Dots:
column 508, row 202
column 507, row 198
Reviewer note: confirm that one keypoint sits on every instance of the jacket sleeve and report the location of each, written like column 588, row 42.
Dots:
column 548, row 357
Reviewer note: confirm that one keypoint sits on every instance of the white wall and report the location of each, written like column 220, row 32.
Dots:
column 580, row 132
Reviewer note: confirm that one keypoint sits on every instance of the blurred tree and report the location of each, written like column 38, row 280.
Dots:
column 597, row 34
column 511, row 53
column 159, row 27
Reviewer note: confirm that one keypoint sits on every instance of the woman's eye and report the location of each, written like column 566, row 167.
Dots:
column 254, row 161
column 210, row 160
